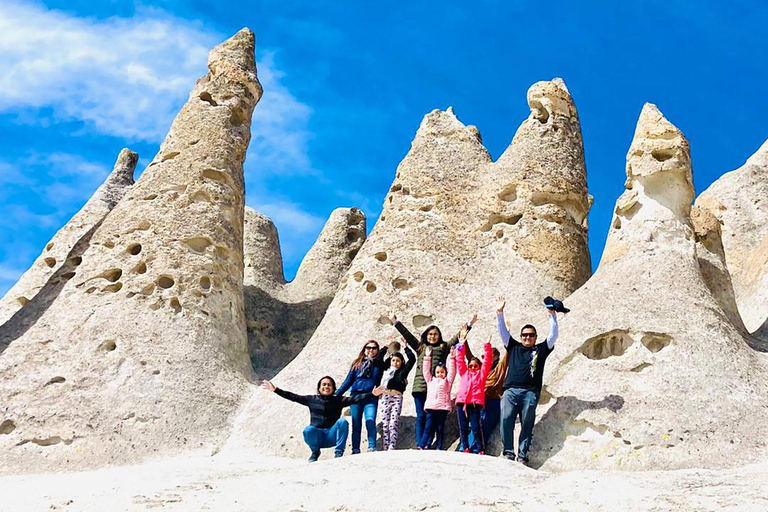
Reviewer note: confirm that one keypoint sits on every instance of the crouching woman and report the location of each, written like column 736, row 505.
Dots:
column 326, row 426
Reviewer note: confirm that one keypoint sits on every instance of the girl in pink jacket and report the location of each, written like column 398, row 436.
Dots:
column 470, row 399
column 438, row 403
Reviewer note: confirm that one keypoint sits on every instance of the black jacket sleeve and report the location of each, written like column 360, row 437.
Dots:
column 409, row 338
column 349, row 400
column 293, row 397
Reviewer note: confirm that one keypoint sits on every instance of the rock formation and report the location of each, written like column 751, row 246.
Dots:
column 456, row 231
column 650, row 371
column 144, row 351
column 281, row 317
column 739, row 200
column 59, row 256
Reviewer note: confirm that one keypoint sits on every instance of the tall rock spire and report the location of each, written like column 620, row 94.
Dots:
column 739, row 200
column 60, row 256
column 456, row 230
column 650, row 372
column 144, row 351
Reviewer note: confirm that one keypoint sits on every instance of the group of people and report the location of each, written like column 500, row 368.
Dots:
column 491, row 389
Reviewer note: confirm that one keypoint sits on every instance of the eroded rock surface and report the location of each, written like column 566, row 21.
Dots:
column 739, row 200
column 144, row 351
column 650, row 371
column 60, row 256
column 281, row 317
column 456, row 231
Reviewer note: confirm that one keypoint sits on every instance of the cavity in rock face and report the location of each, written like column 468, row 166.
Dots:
column 456, row 231
column 60, row 257
column 149, row 335
column 281, row 317
column 650, row 371
column 738, row 201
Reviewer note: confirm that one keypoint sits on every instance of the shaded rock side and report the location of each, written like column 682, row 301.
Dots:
column 281, row 317
column 447, row 243
column 144, row 351
column 59, row 257
column 650, row 372
column 739, row 200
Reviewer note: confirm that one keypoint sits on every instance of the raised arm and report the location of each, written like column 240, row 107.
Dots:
column 404, row 332
column 411, row 360
column 461, row 363
column 456, row 337
column 502, row 325
column 553, row 329
column 426, row 365
column 451, row 366
column 487, row 358
column 351, row 376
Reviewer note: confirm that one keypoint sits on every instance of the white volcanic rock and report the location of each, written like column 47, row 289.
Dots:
column 456, row 231
column 60, row 257
column 649, row 372
column 281, row 317
column 144, row 351
column 739, row 200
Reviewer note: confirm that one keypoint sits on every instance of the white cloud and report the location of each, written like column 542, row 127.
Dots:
column 291, row 217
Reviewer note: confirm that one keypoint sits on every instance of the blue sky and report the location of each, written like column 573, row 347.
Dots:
column 346, row 85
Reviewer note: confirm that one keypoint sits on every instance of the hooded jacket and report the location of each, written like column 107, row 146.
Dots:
column 439, row 390
column 472, row 384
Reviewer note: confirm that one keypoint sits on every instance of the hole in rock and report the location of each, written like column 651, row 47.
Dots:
column 51, row 262
column 143, row 226
column 130, row 294
column 662, row 155
column 56, row 380
column 155, row 372
column 358, row 276
column 147, row 290
column 175, row 305
column 370, row 287
column 91, row 289
column 421, row 321
column 114, row 288
column 49, row 246
column 75, row 261
column 202, row 196
column 383, row 320
column 194, row 142
column 156, row 305
column 109, row 245
column 381, row 256
column 205, row 283
column 354, row 236
column 108, row 346
column 508, row 193
column 401, row 284
column 395, row 187
column 213, row 174
column 381, row 218
column 197, row 244
column 49, row 441
column 68, row 275
column 616, row 223
column 500, row 219
column 238, row 117
column 111, row 275
column 150, row 197
column 427, row 208
column 639, row 368
column 407, row 191
column 165, row 282
column 612, row 343
column 655, row 341
column 23, row 301
column 141, row 268
column 206, row 97
column 134, row 249
column 500, row 234
column 169, row 156
column 6, row 427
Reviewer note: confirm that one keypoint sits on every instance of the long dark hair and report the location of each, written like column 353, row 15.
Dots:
column 361, row 356
column 424, row 337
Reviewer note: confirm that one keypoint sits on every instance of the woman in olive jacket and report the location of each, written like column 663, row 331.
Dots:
column 433, row 338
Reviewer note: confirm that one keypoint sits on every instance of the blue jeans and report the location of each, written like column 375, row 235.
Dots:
column 419, row 399
column 317, row 437
column 514, row 402
column 490, row 416
column 469, row 418
column 434, row 427
column 366, row 408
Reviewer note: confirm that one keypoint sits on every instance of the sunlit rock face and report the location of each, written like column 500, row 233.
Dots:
column 739, row 200
column 654, row 369
column 62, row 254
column 143, row 352
column 456, row 230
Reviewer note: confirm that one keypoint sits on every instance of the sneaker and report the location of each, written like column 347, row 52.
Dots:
column 419, row 447
column 509, row 456
column 314, row 456
column 522, row 461
column 481, row 453
column 465, row 451
column 338, row 454
column 355, row 452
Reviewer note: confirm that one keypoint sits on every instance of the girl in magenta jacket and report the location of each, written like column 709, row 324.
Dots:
column 470, row 399
column 438, row 403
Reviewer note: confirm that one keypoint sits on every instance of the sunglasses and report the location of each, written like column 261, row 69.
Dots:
column 371, row 347
column 528, row 335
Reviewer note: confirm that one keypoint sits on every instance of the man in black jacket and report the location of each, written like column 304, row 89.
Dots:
column 326, row 426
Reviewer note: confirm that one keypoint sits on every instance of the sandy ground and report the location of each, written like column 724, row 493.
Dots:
column 401, row 480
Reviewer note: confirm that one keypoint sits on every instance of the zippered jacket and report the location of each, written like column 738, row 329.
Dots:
column 439, row 390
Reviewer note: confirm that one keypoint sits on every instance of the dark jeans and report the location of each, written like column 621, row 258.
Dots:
column 419, row 399
column 490, row 418
column 366, row 408
column 469, row 418
column 434, row 426
column 518, row 402
column 317, row 438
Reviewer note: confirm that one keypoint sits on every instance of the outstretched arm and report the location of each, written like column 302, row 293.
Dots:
column 293, row 397
column 347, row 382
column 349, row 400
column 404, row 332
column 553, row 329
column 502, row 325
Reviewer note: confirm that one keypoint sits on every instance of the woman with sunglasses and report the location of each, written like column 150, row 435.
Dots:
column 364, row 375
column 433, row 338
